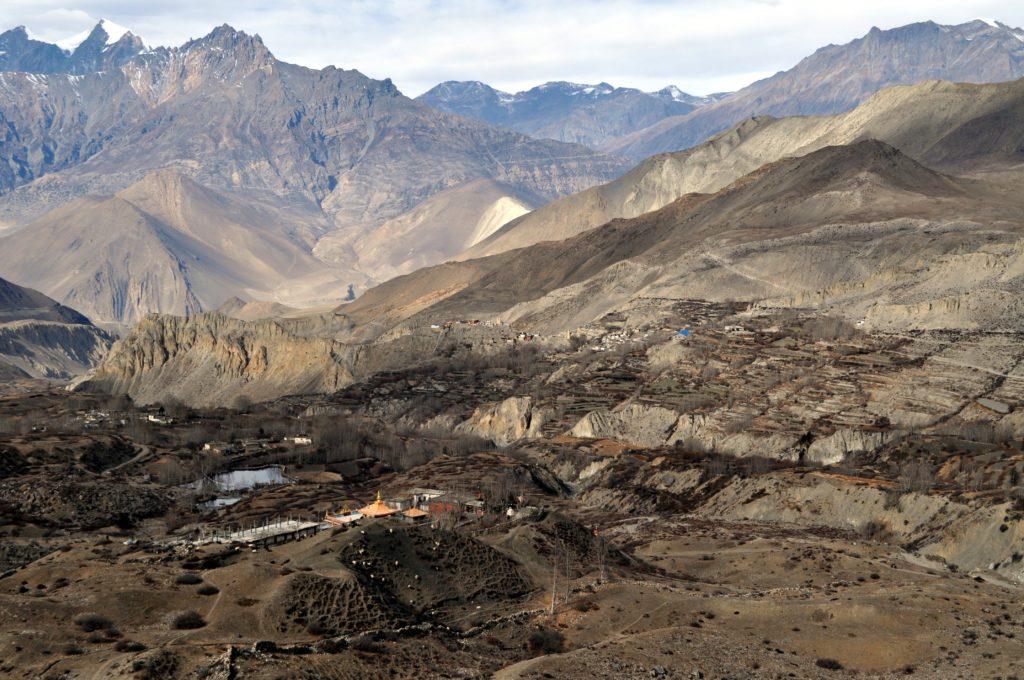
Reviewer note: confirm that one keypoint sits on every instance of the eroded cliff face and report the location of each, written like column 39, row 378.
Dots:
column 507, row 421
column 209, row 359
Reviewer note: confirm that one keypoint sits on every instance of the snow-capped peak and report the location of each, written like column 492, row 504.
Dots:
column 29, row 34
column 676, row 94
column 596, row 90
column 113, row 31
column 990, row 22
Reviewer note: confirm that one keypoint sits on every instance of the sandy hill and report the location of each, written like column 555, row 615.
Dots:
column 19, row 304
column 237, row 308
column 861, row 183
column 167, row 243
column 443, row 225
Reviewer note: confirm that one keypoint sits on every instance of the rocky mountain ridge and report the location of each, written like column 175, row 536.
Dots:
column 326, row 153
column 105, row 46
column 837, row 78
column 592, row 115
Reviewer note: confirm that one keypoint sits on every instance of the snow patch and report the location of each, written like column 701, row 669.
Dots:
column 113, row 31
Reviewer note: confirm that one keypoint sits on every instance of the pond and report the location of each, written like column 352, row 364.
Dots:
column 220, row 502
column 242, row 480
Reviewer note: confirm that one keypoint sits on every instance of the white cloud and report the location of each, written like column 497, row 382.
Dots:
column 700, row 45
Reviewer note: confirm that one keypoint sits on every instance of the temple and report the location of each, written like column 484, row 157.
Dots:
column 378, row 508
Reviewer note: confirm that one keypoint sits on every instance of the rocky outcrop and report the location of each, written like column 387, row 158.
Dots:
column 637, row 424
column 506, row 422
column 654, row 426
column 837, row 446
column 702, row 431
column 209, row 359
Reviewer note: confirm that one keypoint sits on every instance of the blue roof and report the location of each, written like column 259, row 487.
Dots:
column 683, row 331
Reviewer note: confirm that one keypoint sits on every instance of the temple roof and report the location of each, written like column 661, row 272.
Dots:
column 378, row 508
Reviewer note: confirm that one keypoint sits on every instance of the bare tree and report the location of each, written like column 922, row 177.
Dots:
column 241, row 403
column 916, row 475
column 171, row 473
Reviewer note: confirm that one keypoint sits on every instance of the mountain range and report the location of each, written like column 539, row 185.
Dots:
column 105, row 46
column 838, row 77
column 835, row 78
column 323, row 157
column 213, row 175
column 901, row 214
column 593, row 115
column 957, row 127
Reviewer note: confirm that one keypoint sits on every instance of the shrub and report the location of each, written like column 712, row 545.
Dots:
column 545, row 641
column 208, row 589
column 129, row 646
column 366, row 643
column 188, row 579
column 187, row 620
column 91, row 621
column 161, row 664
column 917, row 476
column 876, row 530
column 584, row 605
column 829, row 664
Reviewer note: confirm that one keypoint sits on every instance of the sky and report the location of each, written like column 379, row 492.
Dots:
column 702, row 46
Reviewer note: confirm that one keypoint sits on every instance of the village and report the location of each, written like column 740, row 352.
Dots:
column 548, row 491
column 436, row 508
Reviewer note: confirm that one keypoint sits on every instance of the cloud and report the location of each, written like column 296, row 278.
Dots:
column 699, row 45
